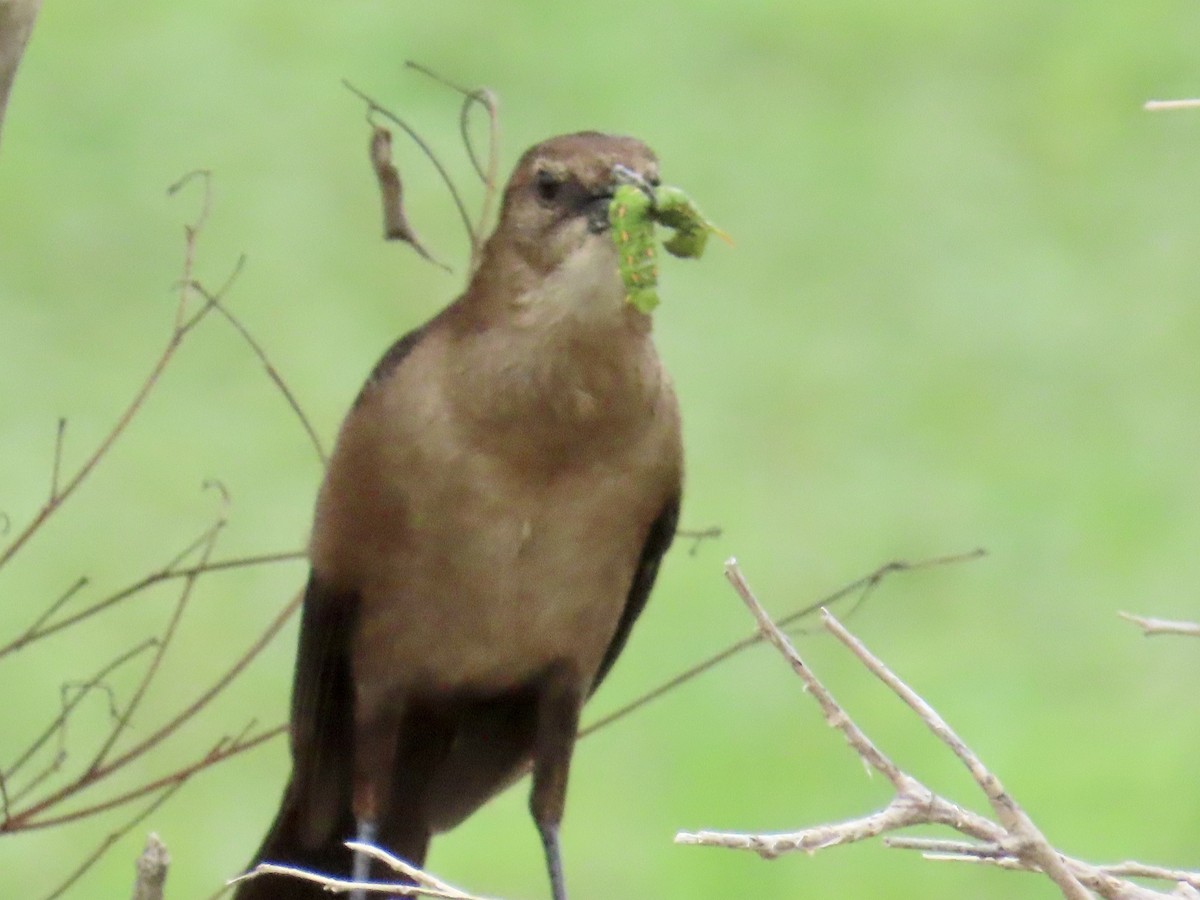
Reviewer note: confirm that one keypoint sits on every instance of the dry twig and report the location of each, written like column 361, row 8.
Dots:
column 1151, row 626
column 425, row 885
column 151, row 870
column 1012, row 840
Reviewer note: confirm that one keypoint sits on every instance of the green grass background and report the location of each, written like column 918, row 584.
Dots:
column 961, row 312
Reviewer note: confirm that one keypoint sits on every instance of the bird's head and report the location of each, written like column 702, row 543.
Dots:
column 554, row 216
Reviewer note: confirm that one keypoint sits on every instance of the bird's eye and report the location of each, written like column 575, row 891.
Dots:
column 548, row 185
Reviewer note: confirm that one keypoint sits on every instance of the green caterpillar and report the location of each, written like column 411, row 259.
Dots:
column 632, row 214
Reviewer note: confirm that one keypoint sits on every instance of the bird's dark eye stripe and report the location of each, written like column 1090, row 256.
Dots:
column 567, row 194
column 548, row 185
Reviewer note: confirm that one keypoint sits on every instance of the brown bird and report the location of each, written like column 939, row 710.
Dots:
column 488, row 531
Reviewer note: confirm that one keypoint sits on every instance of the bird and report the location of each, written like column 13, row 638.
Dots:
column 490, row 525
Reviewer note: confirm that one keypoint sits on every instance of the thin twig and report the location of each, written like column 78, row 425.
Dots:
column 489, row 175
column 860, row 586
column 164, row 641
column 272, row 372
column 167, row 573
column 698, row 536
column 59, row 436
column 407, row 869
column 59, row 724
column 1154, row 105
column 1012, row 842
column 223, row 750
column 375, row 107
column 27, row 818
column 111, row 839
column 345, row 886
column 1151, row 626
column 183, row 326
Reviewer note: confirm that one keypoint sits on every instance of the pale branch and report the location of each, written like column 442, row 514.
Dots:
column 426, row 886
column 1151, row 626
column 109, row 841
column 996, row 854
column 1012, row 841
column 407, row 869
column 1156, row 105
column 1018, row 825
column 151, row 870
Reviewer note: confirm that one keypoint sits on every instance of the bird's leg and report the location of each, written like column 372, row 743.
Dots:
column 560, row 698
column 374, row 751
column 361, row 870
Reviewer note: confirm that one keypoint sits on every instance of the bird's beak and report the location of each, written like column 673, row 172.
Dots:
column 625, row 175
column 596, row 211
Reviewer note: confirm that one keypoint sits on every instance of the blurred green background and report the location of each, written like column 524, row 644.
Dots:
column 961, row 312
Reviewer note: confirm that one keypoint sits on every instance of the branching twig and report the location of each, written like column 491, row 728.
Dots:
column 28, row 818
column 59, row 724
column 489, row 175
column 272, row 372
column 425, row 884
column 861, row 587
column 169, row 572
column 376, row 108
column 1012, row 841
column 184, row 324
column 164, row 641
column 698, row 536
column 111, row 839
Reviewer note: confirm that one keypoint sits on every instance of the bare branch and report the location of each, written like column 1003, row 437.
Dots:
column 861, row 586
column 1013, row 841
column 105, row 845
column 39, row 630
column 1151, row 626
column 272, row 372
column 1156, row 105
column 374, row 108
column 58, row 452
column 151, row 870
column 425, row 888
column 490, row 174
column 183, row 326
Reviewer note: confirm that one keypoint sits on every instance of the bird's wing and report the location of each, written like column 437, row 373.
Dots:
column 322, row 722
column 323, row 710
column 659, row 538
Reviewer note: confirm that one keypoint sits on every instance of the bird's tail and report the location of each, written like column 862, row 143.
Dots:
column 287, row 843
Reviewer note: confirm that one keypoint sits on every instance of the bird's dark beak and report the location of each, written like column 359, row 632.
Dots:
column 596, row 211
